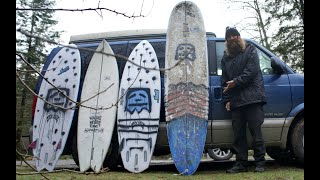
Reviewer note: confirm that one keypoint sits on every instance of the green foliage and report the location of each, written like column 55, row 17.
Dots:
column 34, row 51
column 212, row 171
column 38, row 23
column 289, row 38
column 278, row 25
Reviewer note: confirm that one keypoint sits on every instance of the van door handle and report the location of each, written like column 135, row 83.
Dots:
column 217, row 93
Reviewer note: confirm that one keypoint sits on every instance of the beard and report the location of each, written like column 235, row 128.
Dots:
column 234, row 47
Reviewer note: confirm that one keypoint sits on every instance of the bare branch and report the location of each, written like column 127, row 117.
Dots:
column 29, row 164
column 141, row 7
column 76, row 10
column 45, row 80
column 86, row 49
column 108, row 54
column 65, row 170
column 151, row 8
column 73, row 107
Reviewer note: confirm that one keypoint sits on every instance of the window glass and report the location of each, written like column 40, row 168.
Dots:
column 86, row 58
column 219, row 53
column 159, row 47
column 120, row 49
column 265, row 60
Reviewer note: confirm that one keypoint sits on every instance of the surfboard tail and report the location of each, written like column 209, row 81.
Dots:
column 187, row 135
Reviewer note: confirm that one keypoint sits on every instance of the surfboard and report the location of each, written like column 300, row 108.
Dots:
column 97, row 116
column 139, row 108
column 186, row 86
column 51, row 55
column 52, row 121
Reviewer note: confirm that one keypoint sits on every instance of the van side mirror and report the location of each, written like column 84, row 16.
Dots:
column 276, row 66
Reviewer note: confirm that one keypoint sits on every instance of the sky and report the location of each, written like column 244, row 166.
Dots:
column 215, row 13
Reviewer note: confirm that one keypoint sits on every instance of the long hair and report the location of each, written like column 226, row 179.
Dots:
column 241, row 47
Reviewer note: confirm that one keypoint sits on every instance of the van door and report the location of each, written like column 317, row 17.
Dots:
column 278, row 94
column 219, row 118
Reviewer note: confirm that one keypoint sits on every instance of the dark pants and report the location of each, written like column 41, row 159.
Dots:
column 253, row 115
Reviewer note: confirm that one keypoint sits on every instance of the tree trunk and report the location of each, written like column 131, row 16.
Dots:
column 24, row 90
column 261, row 25
column 21, row 115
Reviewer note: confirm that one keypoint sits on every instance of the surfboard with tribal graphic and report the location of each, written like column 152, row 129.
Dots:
column 186, row 86
column 53, row 116
column 139, row 108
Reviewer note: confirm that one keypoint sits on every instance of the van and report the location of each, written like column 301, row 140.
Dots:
column 283, row 127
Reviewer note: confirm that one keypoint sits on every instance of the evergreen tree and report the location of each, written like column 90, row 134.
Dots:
column 279, row 25
column 289, row 38
column 34, row 50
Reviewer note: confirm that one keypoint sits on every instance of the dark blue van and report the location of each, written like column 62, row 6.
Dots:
column 283, row 127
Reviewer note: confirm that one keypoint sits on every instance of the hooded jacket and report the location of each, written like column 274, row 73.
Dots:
column 244, row 69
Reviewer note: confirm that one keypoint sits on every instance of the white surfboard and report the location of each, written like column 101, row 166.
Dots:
column 51, row 124
column 139, row 108
column 95, row 124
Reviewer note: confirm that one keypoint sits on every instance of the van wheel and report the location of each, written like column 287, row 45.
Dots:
column 279, row 155
column 297, row 141
column 220, row 154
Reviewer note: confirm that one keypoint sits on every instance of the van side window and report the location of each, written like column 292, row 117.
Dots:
column 160, row 48
column 219, row 53
column 265, row 63
column 120, row 49
column 86, row 58
column 265, row 60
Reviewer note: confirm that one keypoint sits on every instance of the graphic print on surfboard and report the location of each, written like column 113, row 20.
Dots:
column 95, row 124
column 53, row 52
column 139, row 108
column 51, row 124
column 186, row 86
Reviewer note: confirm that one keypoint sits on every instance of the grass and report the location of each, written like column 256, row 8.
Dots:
column 207, row 170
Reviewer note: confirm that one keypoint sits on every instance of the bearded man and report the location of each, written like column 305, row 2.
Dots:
column 244, row 95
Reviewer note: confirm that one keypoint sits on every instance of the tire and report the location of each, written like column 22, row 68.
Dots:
column 297, row 141
column 220, row 154
column 279, row 155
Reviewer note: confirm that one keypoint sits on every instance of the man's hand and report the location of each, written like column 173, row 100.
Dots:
column 230, row 84
column 228, row 106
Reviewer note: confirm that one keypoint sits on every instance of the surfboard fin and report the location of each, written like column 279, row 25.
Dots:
column 33, row 144
column 59, row 145
column 53, row 158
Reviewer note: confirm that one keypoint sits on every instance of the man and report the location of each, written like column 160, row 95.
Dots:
column 244, row 94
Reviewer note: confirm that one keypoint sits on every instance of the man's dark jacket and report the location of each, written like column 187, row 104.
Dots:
column 245, row 70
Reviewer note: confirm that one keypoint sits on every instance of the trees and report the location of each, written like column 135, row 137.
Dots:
column 254, row 23
column 34, row 50
column 278, row 21
column 289, row 38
